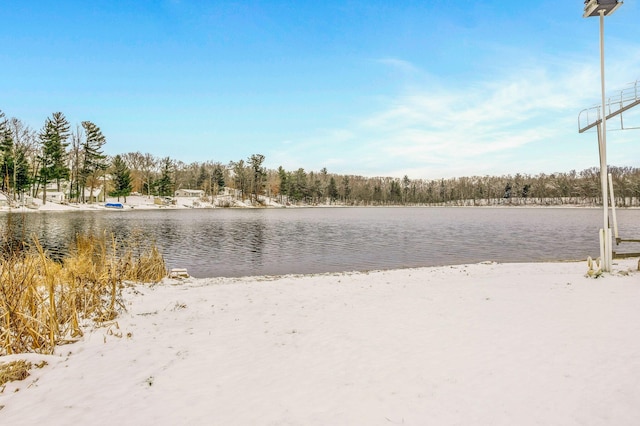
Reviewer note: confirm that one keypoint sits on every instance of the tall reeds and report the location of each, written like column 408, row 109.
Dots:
column 43, row 302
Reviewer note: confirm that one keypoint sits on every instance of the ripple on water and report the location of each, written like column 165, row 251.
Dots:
column 237, row 242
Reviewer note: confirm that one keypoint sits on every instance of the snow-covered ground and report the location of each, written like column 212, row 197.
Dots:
column 137, row 202
column 483, row 344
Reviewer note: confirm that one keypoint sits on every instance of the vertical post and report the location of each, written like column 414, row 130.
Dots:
column 606, row 243
column 613, row 208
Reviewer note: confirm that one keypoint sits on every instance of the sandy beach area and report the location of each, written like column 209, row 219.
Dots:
column 481, row 344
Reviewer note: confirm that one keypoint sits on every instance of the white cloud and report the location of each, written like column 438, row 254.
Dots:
column 399, row 64
column 523, row 120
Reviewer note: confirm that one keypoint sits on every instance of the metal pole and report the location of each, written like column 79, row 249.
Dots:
column 613, row 208
column 603, row 159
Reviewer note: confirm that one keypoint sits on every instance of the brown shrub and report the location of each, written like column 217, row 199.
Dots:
column 43, row 302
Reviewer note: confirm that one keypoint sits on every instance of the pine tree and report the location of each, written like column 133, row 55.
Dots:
column 53, row 139
column 165, row 184
column 121, row 178
column 282, row 175
column 94, row 161
column 240, row 177
column 298, row 189
column 20, row 179
column 7, row 160
column 258, row 174
column 332, row 190
column 218, row 179
column 346, row 188
column 203, row 177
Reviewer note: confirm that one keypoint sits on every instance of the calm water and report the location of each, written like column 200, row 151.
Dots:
column 238, row 242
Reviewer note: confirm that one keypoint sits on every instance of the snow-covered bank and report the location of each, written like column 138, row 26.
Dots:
column 141, row 202
column 138, row 202
column 484, row 344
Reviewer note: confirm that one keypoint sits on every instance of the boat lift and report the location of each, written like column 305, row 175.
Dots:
column 589, row 118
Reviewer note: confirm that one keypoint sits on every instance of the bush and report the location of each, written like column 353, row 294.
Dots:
column 43, row 302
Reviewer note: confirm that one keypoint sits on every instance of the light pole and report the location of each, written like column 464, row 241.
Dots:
column 603, row 8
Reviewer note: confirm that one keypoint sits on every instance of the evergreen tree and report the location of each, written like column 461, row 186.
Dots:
column 93, row 160
column 121, row 178
column 7, row 160
column 346, row 188
column 164, row 185
column 282, row 174
column 21, row 176
column 298, row 189
column 507, row 190
column 218, row 179
column 394, row 192
column 332, row 190
column 259, row 174
column 240, row 177
column 53, row 156
column 406, row 183
column 203, row 177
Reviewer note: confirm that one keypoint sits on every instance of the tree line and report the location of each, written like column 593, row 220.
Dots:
column 31, row 161
column 581, row 188
column 57, row 158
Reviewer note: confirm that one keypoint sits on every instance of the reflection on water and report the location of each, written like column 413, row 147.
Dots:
column 231, row 242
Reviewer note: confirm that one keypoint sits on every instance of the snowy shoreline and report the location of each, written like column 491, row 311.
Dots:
column 188, row 203
column 488, row 343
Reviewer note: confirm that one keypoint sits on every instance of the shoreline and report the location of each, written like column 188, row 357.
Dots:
column 190, row 203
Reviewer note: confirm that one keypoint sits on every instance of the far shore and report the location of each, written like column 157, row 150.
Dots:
column 143, row 202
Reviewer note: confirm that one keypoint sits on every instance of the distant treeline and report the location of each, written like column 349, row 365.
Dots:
column 31, row 161
column 582, row 188
column 251, row 181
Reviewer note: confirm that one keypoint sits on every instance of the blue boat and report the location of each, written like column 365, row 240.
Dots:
column 114, row 206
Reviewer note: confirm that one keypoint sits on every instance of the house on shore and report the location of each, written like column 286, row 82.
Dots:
column 198, row 193
column 58, row 197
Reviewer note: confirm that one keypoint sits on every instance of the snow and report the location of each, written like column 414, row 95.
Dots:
column 138, row 202
column 482, row 344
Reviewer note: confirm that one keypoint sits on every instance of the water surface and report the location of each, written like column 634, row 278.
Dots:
column 238, row 242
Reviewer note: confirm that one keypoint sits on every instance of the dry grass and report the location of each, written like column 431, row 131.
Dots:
column 15, row 370
column 43, row 302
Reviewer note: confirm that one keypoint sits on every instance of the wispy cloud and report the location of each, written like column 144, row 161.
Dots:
column 522, row 120
column 399, row 64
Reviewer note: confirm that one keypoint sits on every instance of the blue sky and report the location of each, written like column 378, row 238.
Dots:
column 375, row 88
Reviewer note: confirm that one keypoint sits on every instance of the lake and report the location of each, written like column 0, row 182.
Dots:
column 240, row 242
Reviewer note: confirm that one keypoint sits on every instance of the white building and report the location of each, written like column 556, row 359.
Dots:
column 55, row 197
column 189, row 193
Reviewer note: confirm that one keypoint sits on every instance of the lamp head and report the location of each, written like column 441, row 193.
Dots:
column 594, row 7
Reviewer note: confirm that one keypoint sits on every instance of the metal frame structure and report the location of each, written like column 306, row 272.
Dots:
column 616, row 104
column 589, row 118
column 603, row 8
